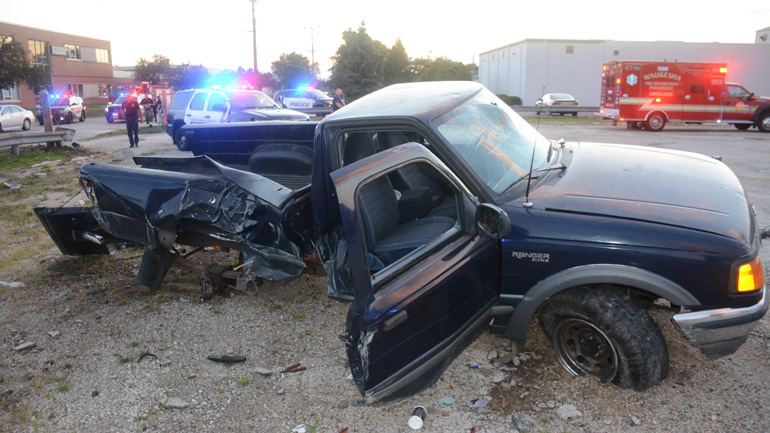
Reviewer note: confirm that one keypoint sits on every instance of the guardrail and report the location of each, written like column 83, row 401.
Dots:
column 16, row 139
column 583, row 110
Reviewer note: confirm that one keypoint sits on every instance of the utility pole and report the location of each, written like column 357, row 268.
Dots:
column 254, row 34
column 312, row 52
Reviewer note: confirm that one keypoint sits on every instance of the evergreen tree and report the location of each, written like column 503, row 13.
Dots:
column 358, row 64
column 396, row 67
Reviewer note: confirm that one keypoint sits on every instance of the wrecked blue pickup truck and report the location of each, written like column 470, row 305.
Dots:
column 441, row 213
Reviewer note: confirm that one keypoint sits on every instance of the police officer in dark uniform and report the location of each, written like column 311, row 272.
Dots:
column 338, row 101
column 132, row 112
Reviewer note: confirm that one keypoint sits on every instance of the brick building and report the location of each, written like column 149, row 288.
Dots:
column 77, row 64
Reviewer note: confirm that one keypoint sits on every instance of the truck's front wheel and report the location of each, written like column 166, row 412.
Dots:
column 603, row 332
column 180, row 140
column 655, row 122
column 764, row 122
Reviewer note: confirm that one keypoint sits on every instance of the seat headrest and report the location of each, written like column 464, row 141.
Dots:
column 358, row 146
column 391, row 139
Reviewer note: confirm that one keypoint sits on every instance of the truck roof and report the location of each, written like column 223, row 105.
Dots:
column 423, row 101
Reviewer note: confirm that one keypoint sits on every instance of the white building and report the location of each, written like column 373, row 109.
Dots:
column 532, row 67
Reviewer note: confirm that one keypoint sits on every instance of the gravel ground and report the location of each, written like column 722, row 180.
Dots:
column 90, row 322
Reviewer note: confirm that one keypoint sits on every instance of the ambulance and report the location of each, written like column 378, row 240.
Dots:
column 650, row 94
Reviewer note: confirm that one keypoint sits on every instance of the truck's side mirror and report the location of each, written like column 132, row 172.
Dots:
column 492, row 221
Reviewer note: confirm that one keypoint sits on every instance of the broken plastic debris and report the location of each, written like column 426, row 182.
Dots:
column 12, row 284
column 446, row 401
column 418, row 418
column 228, row 359
column 474, row 366
column 12, row 185
column 299, row 429
column 479, row 402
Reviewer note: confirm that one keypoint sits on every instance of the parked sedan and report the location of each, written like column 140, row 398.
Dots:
column 13, row 117
column 557, row 101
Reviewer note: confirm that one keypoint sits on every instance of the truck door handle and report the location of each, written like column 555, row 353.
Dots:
column 207, row 117
column 396, row 320
column 188, row 115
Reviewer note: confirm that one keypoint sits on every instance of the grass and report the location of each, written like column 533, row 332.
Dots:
column 31, row 155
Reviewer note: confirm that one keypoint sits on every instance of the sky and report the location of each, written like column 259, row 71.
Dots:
column 218, row 33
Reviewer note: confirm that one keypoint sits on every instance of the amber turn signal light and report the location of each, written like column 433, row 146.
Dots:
column 750, row 276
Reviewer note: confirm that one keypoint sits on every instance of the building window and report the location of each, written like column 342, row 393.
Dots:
column 102, row 55
column 10, row 94
column 104, row 90
column 570, row 49
column 75, row 89
column 73, row 52
column 38, row 53
column 5, row 39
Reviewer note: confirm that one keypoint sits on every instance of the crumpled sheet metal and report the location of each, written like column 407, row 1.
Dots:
column 218, row 208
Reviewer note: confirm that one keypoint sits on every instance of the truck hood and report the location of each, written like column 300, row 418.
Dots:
column 654, row 185
column 274, row 114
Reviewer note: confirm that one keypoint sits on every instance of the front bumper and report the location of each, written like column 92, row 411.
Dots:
column 721, row 332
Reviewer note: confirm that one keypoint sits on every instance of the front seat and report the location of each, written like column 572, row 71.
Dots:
column 415, row 176
column 387, row 238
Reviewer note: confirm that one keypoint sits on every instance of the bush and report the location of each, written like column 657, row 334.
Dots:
column 510, row 100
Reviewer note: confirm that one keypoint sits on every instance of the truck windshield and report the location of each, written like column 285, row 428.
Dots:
column 494, row 141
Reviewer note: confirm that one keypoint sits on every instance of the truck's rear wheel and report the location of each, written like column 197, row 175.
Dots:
column 655, row 122
column 764, row 122
column 603, row 332
column 742, row 126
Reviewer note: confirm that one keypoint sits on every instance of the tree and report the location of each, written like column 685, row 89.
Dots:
column 441, row 69
column 292, row 70
column 187, row 76
column 15, row 67
column 396, row 66
column 358, row 63
column 157, row 71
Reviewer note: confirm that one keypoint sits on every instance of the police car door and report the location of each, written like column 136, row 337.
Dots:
column 299, row 100
column 216, row 108
column 196, row 111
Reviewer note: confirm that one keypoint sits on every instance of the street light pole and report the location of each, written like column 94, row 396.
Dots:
column 254, row 34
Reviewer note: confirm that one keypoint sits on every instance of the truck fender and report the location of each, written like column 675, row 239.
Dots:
column 663, row 112
column 621, row 275
column 761, row 110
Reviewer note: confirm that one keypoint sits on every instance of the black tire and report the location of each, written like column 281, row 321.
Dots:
column 1, row 127
column 763, row 123
column 603, row 332
column 742, row 126
column 27, row 124
column 655, row 122
column 70, row 118
column 574, row 114
column 110, row 119
column 181, row 141
column 82, row 116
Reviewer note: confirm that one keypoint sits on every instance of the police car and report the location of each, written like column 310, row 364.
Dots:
column 202, row 106
column 310, row 101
